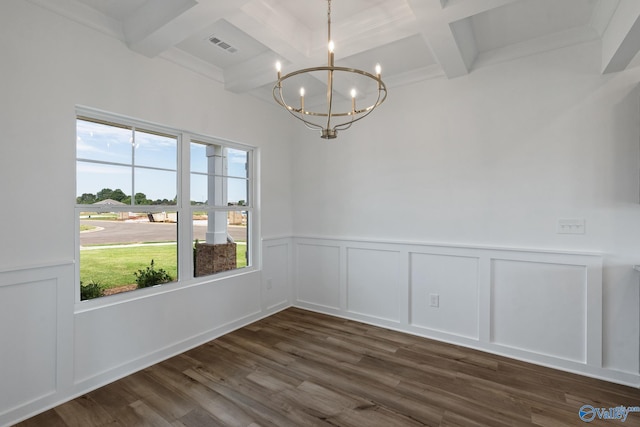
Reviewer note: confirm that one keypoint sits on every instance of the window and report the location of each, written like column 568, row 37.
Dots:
column 219, row 196
column 156, row 205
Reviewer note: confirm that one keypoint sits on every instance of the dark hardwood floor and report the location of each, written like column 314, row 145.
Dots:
column 299, row 368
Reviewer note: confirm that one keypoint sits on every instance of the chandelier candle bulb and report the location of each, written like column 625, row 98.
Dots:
column 302, row 100
column 331, row 48
column 353, row 100
column 278, row 69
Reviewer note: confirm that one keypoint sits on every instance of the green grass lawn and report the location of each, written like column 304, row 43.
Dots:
column 112, row 267
column 98, row 216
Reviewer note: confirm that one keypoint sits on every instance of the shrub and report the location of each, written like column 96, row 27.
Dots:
column 90, row 291
column 151, row 277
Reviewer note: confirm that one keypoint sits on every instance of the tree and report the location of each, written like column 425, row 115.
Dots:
column 141, row 199
column 104, row 194
column 118, row 195
column 86, row 199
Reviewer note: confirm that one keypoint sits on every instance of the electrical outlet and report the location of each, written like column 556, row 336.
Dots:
column 434, row 300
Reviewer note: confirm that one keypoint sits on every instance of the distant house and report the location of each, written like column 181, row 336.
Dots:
column 107, row 202
column 110, row 202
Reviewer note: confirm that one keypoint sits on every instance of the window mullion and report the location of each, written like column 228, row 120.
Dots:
column 185, row 214
column 133, row 166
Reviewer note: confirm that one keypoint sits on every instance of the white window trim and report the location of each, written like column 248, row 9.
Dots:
column 183, row 207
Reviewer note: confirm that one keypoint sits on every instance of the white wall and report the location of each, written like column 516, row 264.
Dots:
column 494, row 158
column 50, row 349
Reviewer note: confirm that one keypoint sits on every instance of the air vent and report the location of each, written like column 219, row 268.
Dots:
column 222, row 44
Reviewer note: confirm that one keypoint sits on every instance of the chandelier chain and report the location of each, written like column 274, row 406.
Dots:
column 329, row 20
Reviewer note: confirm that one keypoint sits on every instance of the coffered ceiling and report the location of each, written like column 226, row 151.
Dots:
column 237, row 42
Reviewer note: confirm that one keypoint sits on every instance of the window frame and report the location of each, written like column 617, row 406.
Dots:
column 183, row 207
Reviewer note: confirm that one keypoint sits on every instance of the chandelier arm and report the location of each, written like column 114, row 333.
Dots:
column 291, row 110
column 344, row 126
column 379, row 82
column 367, row 111
column 310, row 125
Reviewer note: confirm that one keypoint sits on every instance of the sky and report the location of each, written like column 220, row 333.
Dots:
column 120, row 148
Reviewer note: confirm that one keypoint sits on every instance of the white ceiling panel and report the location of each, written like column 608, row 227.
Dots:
column 411, row 39
column 313, row 13
column 394, row 58
column 525, row 20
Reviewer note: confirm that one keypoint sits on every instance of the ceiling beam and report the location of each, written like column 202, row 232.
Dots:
column 444, row 45
column 446, row 28
column 602, row 13
column 465, row 40
column 439, row 36
column 621, row 39
column 190, row 62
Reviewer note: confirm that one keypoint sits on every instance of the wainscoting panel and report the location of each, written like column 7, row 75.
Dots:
column 453, row 281
column 276, row 277
column 373, row 282
column 35, row 358
column 540, row 307
column 318, row 274
column 29, row 363
column 117, row 339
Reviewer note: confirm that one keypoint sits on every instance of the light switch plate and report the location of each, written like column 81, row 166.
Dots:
column 571, row 226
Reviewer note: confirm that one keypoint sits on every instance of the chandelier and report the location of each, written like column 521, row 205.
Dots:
column 330, row 118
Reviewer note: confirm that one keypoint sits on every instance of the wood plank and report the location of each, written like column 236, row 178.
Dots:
column 48, row 418
column 300, row 368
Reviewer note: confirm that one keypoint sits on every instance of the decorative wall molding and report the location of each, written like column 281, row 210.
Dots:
column 277, row 271
column 541, row 306
column 37, row 341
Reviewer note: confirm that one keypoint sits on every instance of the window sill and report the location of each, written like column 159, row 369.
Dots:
column 137, row 294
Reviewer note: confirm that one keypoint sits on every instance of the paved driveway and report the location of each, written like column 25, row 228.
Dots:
column 114, row 232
